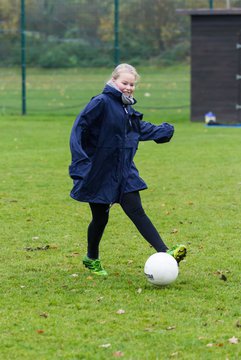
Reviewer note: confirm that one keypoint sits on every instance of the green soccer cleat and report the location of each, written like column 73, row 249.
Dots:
column 178, row 252
column 94, row 266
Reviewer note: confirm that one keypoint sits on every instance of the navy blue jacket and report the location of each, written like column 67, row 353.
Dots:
column 103, row 142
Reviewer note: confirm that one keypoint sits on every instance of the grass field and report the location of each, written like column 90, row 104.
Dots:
column 51, row 308
column 58, row 92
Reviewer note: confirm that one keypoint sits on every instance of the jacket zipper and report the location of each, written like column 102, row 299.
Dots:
column 128, row 117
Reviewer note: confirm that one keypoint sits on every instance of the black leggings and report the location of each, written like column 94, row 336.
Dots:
column 131, row 204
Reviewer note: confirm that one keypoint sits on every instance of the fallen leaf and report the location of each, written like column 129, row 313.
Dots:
column 233, row 340
column 223, row 277
column 102, row 322
column 74, row 275
column 54, row 247
column 217, row 345
column 118, row 354
column 238, row 324
column 139, row 291
column 74, row 254
column 171, row 328
column 44, row 315
column 148, row 329
column 221, row 274
column 120, row 311
column 174, row 231
column 105, row 346
column 38, row 248
column 100, row 298
column 40, row 331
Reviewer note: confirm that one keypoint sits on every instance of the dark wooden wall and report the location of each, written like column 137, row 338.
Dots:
column 215, row 62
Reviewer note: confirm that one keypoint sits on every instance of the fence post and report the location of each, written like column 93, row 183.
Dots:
column 23, row 57
column 211, row 4
column 116, row 31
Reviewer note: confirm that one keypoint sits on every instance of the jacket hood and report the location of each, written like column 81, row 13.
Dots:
column 114, row 93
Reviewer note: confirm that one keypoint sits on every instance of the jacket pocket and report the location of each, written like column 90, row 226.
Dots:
column 104, row 171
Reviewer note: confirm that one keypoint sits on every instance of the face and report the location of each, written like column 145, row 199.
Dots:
column 125, row 83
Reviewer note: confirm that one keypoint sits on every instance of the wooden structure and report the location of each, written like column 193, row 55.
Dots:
column 215, row 64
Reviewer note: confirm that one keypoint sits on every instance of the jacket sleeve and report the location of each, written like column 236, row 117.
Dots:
column 81, row 164
column 159, row 133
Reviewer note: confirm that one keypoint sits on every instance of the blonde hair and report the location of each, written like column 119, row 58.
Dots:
column 125, row 68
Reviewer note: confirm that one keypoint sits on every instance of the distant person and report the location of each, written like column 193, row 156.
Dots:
column 103, row 142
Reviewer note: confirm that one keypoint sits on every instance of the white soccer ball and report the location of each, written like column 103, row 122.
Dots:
column 161, row 269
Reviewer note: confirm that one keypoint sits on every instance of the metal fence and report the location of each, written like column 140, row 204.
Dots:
column 55, row 53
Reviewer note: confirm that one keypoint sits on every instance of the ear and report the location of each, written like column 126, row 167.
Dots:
column 112, row 79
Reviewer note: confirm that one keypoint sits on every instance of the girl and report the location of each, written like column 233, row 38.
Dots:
column 103, row 142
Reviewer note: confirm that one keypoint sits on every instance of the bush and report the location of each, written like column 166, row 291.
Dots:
column 177, row 53
column 73, row 54
column 52, row 53
column 10, row 51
